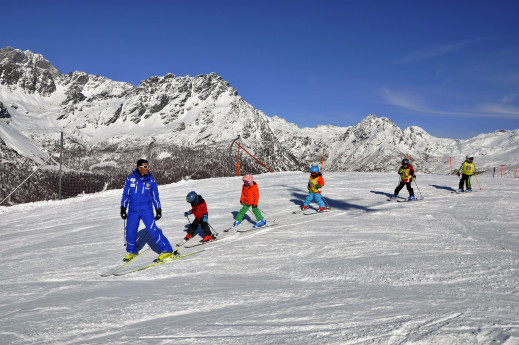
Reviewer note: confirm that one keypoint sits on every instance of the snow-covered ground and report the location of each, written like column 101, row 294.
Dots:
column 443, row 270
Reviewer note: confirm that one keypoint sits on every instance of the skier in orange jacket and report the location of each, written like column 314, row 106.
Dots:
column 249, row 197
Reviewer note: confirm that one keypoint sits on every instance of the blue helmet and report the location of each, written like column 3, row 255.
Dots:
column 314, row 169
column 191, row 197
column 405, row 161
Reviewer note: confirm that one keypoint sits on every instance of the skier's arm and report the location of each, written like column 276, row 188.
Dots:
column 125, row 200
column 155, row 195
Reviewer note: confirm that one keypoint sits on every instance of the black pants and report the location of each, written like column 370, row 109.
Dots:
column 401, row 185
column 465, row 179
column 192, row 228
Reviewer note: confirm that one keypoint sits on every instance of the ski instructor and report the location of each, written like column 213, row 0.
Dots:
column 140, row 196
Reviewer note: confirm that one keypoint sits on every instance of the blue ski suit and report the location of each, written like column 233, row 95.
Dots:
column 140, row 196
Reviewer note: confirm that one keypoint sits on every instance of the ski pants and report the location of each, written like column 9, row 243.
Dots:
column 244, row 209
column 465, row 179
column 156, row 234
column 401, row 185
column 205, row 227
column 318, row 199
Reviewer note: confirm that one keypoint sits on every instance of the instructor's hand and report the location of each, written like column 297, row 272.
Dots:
column 123, row 213
column 159, row 214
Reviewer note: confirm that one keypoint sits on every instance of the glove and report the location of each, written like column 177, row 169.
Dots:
column 254, row 206
column 187, row 213
column 241, row 202
column 317, row 186
column 159, row 214
column 458, row 173
column 414, row 178
column 204, row 218
column 123, row 213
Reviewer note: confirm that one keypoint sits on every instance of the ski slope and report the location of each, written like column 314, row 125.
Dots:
column 443, row 270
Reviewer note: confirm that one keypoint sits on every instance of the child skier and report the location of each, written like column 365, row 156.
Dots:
column 249, row 197
column 199, row 209
column 466, row 170
column 315, row 183
column 407, row 175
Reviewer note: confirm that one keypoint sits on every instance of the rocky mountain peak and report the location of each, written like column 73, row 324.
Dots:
column 29, row 71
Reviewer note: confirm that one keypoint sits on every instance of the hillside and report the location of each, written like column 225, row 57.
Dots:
column 443, row 270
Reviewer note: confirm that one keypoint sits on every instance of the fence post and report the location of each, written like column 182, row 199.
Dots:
column 60, row 164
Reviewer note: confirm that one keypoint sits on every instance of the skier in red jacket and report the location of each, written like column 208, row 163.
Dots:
column 199, row 209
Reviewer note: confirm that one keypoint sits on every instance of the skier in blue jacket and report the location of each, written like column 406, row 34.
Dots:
column 140, row 196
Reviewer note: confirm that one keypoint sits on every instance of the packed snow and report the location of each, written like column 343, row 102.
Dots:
column 442, row 270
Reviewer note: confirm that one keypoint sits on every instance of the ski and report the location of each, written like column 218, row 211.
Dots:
column 120, row 266
column 398, row 198
column 270, row 223
column 311, row 211
column 148, row 265
column 199, row 243
column 407, row 200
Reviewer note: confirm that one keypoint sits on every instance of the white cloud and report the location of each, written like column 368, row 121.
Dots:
column 412, row 102
column 434, row 51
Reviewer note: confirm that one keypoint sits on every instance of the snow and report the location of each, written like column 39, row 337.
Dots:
column 443, row 270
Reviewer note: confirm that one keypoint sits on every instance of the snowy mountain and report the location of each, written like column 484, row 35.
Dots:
column 443, row 270
column 186, row 125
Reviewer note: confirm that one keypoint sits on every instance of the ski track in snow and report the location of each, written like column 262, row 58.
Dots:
column 443, row 270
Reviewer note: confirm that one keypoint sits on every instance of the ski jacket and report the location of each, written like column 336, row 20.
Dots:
column 468, row 168
column 316, row 183
column 250, row 194
column 198, row 208
column 406, row 174
column 140, row 192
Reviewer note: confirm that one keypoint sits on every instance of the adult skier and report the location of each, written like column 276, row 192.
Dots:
column 466, row 170
column 140, row 196
column 199, row 209
column 249, row 197
column 407, row 175
column 315, row 183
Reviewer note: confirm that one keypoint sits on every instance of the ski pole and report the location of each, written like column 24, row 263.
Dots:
column 327, row 205
column 418, row 188
column 476, row 176
column 187, row 216
column 124, row 231
column 212, row 229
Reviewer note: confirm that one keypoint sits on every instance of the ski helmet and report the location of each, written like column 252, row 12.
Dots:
column 247, row 179
column 191, row 197
column 314, row 169
column 469, row 157
column 405, row 161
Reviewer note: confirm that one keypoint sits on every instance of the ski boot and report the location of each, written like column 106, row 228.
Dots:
column 164, row 256
column 321, row 209
column 259, row 224
column 411, row 197
column 129, row 257
column 207, row 238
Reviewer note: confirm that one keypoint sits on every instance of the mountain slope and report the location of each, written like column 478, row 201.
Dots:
column 187, row 125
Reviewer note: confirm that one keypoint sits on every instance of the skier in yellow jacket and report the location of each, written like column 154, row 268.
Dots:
column 467, row 169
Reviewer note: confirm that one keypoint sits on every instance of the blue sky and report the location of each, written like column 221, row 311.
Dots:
column 450, row 67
